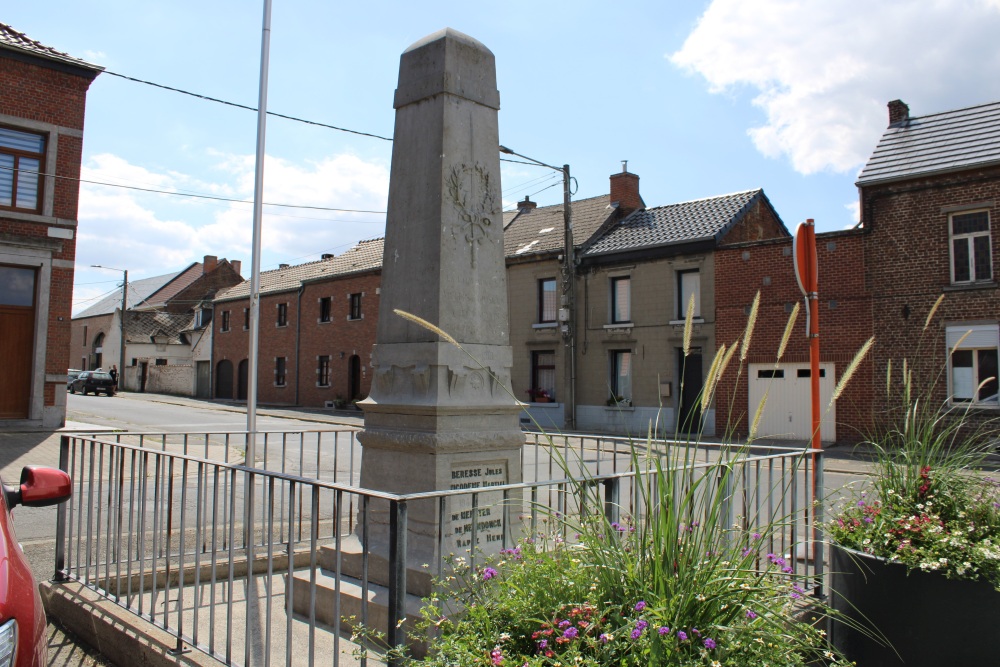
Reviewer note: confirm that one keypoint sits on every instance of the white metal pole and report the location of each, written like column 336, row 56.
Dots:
column 258, row 213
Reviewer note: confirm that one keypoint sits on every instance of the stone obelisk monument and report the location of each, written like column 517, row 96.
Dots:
column 439, row 417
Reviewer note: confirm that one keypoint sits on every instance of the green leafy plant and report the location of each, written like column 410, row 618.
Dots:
column 676, row 582
column 927, row 503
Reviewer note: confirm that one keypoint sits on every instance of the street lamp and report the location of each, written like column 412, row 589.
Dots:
column 569, row 282
column 121, row 354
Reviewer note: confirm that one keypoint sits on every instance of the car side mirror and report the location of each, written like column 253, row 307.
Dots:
column 40, row 487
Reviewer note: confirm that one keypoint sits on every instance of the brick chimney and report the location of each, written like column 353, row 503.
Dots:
column 526, row 205
column 625, row 190
column 209, row 264
column 236, row 264
column 898, row 112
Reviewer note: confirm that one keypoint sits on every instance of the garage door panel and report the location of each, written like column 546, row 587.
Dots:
column 787, row 413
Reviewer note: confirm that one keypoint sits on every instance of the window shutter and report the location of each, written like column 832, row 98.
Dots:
column 980, row 336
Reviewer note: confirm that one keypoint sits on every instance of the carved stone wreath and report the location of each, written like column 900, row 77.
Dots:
column 472, row 192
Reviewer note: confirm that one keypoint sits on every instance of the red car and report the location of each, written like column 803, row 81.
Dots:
column 22, row 619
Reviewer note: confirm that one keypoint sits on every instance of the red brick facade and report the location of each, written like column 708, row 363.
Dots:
column 45, row 96
column 844, row 317
column 346, row 342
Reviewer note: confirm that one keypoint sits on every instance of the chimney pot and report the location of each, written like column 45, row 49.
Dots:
column 899, row 112
column 526, row 205
column 326, row 255
column 283, row 266
column 209, row 264
column 236, row 264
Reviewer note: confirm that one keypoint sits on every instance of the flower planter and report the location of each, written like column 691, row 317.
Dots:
column 930, row 620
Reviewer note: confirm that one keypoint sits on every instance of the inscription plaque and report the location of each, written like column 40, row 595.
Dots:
column 489, row 514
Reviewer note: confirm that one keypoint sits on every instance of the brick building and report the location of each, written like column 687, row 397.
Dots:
column 42, row 101
column 317, row 328
column 743, row 270
column 929, row 196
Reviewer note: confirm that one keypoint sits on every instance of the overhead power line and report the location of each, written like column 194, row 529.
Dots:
column 247, row 107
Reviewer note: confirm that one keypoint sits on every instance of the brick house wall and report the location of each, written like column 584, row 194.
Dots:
column 909, row 243
column 845, row 320
column 46, row 97
column 340, row 339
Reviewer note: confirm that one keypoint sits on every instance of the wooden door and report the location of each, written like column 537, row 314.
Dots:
column 17, row 339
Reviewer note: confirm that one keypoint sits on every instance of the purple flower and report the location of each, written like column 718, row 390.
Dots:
column 756, row 536
column 747, row 552
column 563, row 624
column 696, row 631
column 751, row 615
column 664, row 630
column 861, row 503
column 636, row 633
column 543, row 644
column 681, row 636
column 641, row 625
column 604, row 638
column 786, row 570
column 640, row 605
column 710, row 643
column 489, row 573
column 571, row 633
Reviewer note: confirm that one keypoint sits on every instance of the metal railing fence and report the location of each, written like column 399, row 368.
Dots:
column 258, row 566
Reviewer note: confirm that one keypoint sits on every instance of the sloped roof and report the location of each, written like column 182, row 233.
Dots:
column 138, row 292
column 540, row 230
column 172, row 287
column 699, row 220
column 936, row 143
column 18, row 41
column 366, row 256
column 141, row 326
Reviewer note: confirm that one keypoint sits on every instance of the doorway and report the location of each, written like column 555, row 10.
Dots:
column 689, row 370
column 17, row 339
column 241, row 387
column 224, row 379
column 143, row 374
column 354, row 378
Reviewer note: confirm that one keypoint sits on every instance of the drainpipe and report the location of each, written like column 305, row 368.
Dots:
column 298, row 340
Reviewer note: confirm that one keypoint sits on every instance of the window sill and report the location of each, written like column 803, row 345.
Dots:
column 986, row 407
column 963, row 287
column 322, row 386
column 280, row 386
column 619, row 325
column 323, row 321
column 620, row 408
column 543, row 404
column 545, row 325
column 694, row 320
column 354, row 319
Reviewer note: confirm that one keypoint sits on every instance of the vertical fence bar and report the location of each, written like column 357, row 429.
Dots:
column 818, row 547
column 62, row 513
column 363, row 508
column 290, row 589
column 397, row 577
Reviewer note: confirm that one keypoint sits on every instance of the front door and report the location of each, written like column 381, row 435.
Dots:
column 241, row 387
column 689, row 368
column 17, row 339
column 354, row 378
column 203, row 379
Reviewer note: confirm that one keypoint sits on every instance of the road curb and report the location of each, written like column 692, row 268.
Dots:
column 119, row 636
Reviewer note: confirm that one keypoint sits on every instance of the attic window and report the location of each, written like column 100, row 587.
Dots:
column 546, row 230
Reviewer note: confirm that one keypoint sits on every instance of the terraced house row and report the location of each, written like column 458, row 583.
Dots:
column 598, row 341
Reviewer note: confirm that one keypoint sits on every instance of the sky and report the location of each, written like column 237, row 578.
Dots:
column 702, row 98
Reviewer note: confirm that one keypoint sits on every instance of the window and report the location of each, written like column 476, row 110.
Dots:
column 547, row 300
column 323, row 370
column 282, row 315
column 161, row 362
column 973, row 363
column 621, row 375
column 543, row 376
column 202, row 317
column 620, row 296
column 971, row 259
column 85, row 335
column 246, row 319
column 355, row 313
column 279, row 372
column 22, row 158
column 225, row 321
column 324, row 309
column 688, row 285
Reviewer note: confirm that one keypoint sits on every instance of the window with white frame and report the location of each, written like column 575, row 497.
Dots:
column 620, row 379
column 971, row 247
column 22, row 158
column 547, row 300
column 279, row 371
column 621, row 310
column 972, row 362
column 543, row 376
column 688, row 286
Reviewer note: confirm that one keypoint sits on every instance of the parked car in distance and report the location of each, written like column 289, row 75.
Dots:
column 72, row 374
column 92, row 381
column 22, row 618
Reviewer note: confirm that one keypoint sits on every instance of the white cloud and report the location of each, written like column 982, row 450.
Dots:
column 152, row 234
column 824, row 71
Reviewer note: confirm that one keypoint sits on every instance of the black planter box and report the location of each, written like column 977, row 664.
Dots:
column 930, row 620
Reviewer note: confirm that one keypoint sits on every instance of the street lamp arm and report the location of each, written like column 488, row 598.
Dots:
column 507, row 151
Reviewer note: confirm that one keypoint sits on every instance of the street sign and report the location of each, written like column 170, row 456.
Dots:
column 804, row 253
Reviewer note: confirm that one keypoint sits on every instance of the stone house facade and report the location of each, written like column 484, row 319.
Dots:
column 42, row 102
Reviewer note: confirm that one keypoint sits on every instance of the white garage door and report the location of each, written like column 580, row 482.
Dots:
column 787, row 413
